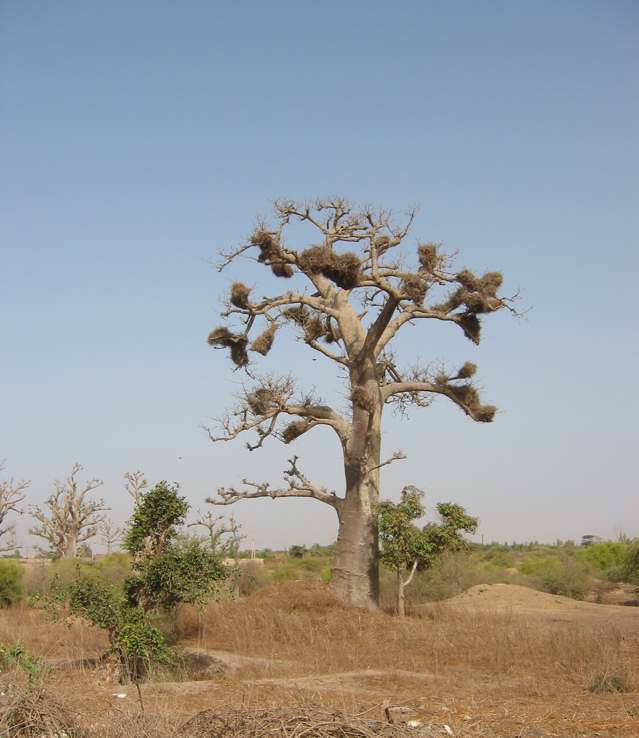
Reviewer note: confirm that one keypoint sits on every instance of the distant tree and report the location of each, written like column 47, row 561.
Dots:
column 347, row 306
column 223, row 535
column 72, row 517
column 135, row 485
column 406, row 547
column 111, row 534
column 11, row 495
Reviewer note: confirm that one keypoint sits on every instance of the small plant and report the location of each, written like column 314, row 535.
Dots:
column 16, row 655
column 609, row 683
column 10, row 582
column 168, row 570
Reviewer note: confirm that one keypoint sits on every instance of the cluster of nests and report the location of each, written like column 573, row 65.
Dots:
column 475, row 295
column 312, row 324
column 344, row 270
column 264, row 400
column 466, row 394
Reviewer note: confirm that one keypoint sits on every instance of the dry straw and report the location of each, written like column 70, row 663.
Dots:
column 428, row 256
column 471, row 326
column 240, row 295
column 305, row 721
column 237, row 343
column 342, row 269
column 294, row 430
column 467, row 370
column 262, row 344
column 362, row 398
column 261, row 401
column 414, row 288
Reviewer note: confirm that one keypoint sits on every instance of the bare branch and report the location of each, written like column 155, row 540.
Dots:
column 11, row 495
column 71, row 517
column 217, row 529
column 135, row 485
column 397, row 456
column 298, row 486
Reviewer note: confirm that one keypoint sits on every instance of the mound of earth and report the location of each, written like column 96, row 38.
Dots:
column 513, row 598
column 304, row 594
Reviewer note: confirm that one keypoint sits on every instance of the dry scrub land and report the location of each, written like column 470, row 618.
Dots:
column 498, row 660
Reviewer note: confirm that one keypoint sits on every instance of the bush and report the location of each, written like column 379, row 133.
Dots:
column 10, row 582
column 604, row 555
column 631, row 563
column 569, row 580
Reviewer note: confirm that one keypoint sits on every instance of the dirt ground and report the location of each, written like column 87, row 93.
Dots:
column 498, row 660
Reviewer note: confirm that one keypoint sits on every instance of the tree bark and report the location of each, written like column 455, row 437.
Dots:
column 401, row 598
column 355, row 572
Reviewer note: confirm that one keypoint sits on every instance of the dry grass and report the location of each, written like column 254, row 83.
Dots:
column 298, row 662
column 325, row 638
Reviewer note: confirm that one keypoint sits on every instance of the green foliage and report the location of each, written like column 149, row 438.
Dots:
column 186, row 571
column 569, row 580
column 286, row 573
column 631, row 563
column 155, row 521
column 403, row 544
column 167, row 570
column 11, row 572
column 143, row 645
column 297, row 552
column 501, row 557
column 99, row 604
column 603, row 555
column 536, row 563
column 33, row 666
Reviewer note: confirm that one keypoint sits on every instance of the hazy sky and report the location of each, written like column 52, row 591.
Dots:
column 138, row 138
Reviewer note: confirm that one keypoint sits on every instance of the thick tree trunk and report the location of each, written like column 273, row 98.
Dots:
column 355, row 572
column 70, row 546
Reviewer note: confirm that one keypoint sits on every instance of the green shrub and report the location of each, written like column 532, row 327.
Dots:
column 569, row 580
column 286, row 573
column 539, row 563
column 10, row 582
column 631, row 563
column 604, row 555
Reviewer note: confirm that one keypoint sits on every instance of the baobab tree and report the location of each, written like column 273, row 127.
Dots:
column 347, row 296
column 72, row 517
column 11, row 495
column 224, row 535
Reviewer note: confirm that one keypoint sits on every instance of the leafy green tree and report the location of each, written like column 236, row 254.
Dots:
column 187, row 571
column 155, row 521
column 168, row 569
column 406, row 547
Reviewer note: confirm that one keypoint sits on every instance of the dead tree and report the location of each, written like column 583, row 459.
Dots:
column 224, row 536
column 72, row 517
column 347, row 297
column 11, row 495
column 135, row 485
column 111, row 535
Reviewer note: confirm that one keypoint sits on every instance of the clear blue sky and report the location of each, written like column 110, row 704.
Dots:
column 138, row 138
